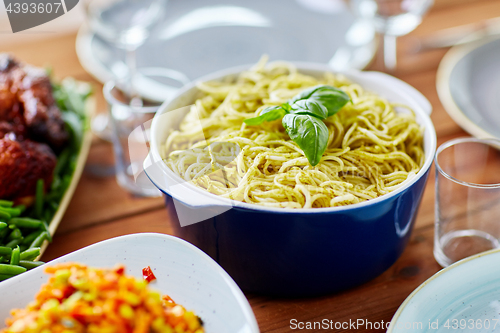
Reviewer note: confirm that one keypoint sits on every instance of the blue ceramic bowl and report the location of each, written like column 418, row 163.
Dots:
column 294, row 252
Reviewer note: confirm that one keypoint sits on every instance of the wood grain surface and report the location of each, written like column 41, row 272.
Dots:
column 100, row 209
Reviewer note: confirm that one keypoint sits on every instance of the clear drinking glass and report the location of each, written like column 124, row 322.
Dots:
column 391, row 18
column 467, row 204
column 130, row 137
column 126, row 24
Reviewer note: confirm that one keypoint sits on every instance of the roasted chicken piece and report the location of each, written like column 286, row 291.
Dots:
column 31, row 129
column 26, row 100
column 10, row 107
column 22, row 163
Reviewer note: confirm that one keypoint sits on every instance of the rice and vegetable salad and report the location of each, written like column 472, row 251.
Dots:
column 78, row 298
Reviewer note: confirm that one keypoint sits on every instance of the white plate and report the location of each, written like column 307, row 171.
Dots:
column 468, row 83
column 466, row 293
column 198, row 37
column 183, row 272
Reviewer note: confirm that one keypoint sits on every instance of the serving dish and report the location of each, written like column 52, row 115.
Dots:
column 79, row 166
column 463, row 297
column 295, row 252
column 183, row 272
column 199, row 37
column 468, row 81
column 75, row 99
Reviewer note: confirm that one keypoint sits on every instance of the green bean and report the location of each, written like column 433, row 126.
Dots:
column 5, row 276
column 39, row 240
column 4, row 232
column 30, row 264
column 61, row 161
column 11, row 269
column 47, row 214
column 15, row 234
column 46, row 227
column 54, row 205
column 25, row 222
column 22, row 208
column 15, row 256
column 6, row 203
column 5, row 250
column 39, row 197
column 4, row 215
column 3, row 225
column 31, row 237
column 13, row 243
column 12, row 211
column 30, row 254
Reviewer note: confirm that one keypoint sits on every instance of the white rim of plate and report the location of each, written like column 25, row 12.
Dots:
column 446, row 66
column 432, row 278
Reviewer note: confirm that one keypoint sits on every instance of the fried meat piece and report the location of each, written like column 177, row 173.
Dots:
column 10, row 107
column 22, row 163
column 16, row 131
column 42, row 117
column 26, row 100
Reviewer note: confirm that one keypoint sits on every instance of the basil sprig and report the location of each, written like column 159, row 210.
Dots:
column 268, row 114
column 333, row 99
column 303, row 117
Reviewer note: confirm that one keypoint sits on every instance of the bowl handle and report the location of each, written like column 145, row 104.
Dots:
column 405, row 88
column 192, row 204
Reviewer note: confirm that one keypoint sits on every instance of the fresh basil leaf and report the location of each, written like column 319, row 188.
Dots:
column 330, row 97
column 310, row 133
column 286, row 107
column 310, row 107
column 268, row 114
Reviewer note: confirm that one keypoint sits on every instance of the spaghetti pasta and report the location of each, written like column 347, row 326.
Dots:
column 373, row 146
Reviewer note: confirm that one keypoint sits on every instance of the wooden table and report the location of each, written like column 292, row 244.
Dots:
column 100, row 209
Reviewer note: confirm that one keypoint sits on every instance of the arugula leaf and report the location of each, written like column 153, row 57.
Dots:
column 310, row 107
column 330, row 97
column 309, row 132
column 268, row 114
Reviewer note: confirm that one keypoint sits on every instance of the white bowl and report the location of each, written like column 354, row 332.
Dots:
column 183, row 272
column 295, row 252
column 385, row 85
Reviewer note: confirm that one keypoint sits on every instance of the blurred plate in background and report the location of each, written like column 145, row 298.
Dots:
column 464, row 297
column 468, row 84
column 199, row 37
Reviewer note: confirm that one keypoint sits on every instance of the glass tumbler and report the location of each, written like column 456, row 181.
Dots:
column 467, row 207
column 130, row 137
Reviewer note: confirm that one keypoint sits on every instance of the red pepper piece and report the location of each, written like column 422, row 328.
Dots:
column 147, row 274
